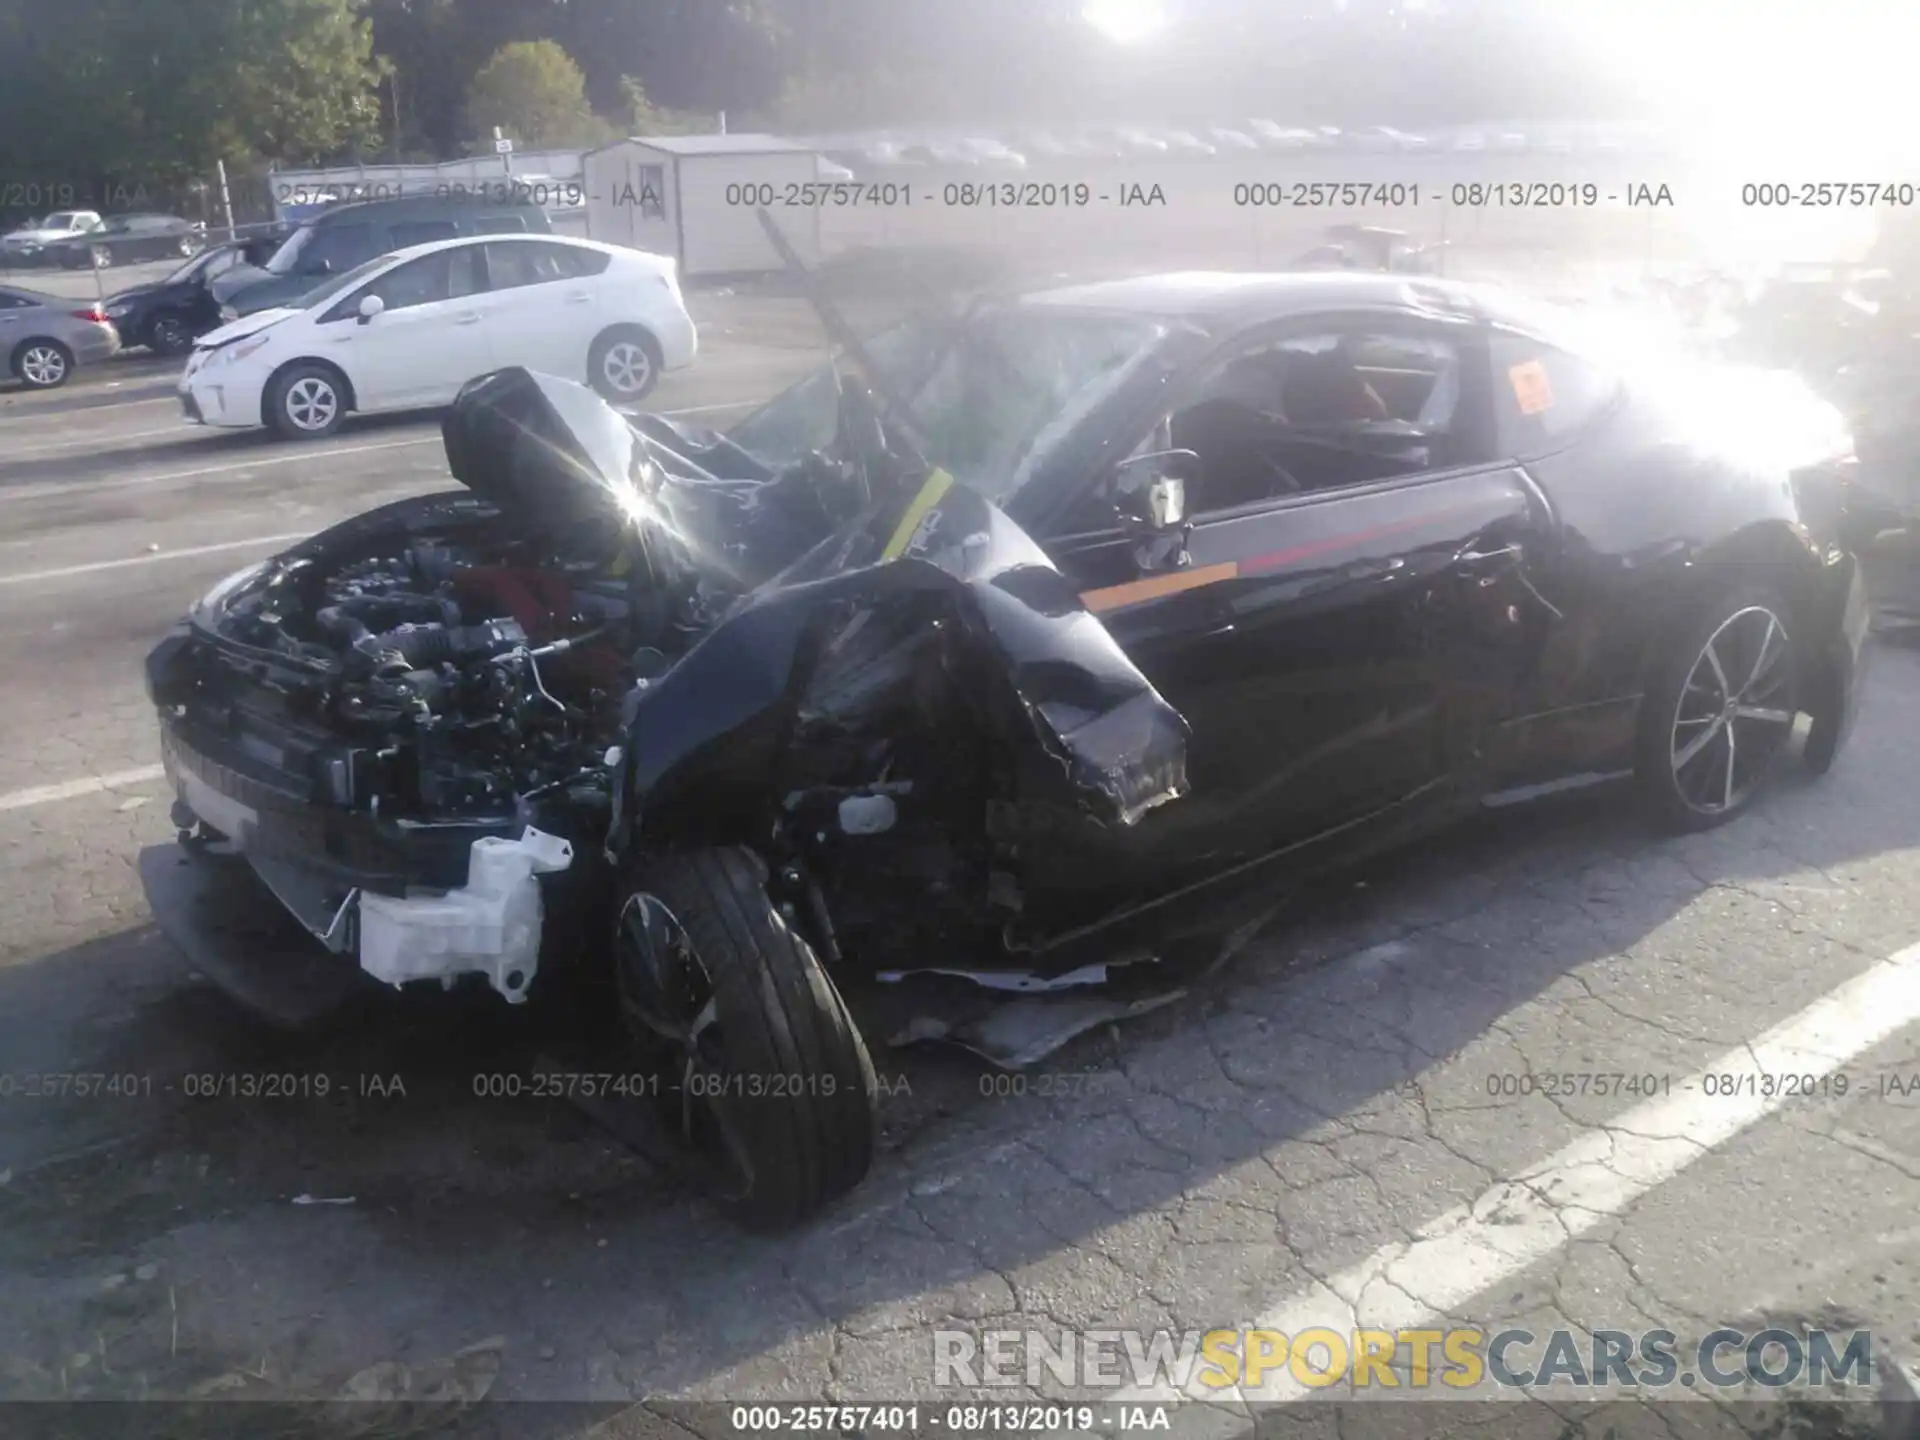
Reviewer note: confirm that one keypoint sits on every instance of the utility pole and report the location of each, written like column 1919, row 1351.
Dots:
column 226, row 198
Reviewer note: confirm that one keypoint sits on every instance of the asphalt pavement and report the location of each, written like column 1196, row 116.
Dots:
column 1348, row 1120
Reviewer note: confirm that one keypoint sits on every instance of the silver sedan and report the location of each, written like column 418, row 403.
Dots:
column 44, row 338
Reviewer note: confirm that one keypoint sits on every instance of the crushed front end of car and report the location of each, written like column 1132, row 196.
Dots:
column 632, row 675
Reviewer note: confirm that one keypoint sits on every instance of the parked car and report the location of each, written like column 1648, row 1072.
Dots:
column 1227, row 139
column 1183, row 142
column 1371, row 247
column 1105, row 618
column 405, row 331
column 984, row 151
column 125, row 239
column 339, row 239
column 44, row 338
column 1284, row 137
column 167, row 315
column 29, row 243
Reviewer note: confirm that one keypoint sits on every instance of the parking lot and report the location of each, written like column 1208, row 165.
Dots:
column 1333, row 1114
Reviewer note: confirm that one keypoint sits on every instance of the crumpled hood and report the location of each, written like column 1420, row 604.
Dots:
column 37, row 237
column 229, row 287
column 133, row 293
column 555, row 455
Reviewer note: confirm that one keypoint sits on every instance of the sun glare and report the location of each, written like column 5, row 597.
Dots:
column 1126, row 22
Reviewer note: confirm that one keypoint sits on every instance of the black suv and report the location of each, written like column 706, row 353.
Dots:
column 346, row 235
column 127, row 238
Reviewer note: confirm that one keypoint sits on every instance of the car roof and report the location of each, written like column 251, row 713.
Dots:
column 415, row 205
column 456, row 242
column 1229, row 299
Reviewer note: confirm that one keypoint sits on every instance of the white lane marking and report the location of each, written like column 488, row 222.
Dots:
column 1471, row 1248
column 88, row 569
column 74, row 442
column 89, row 487
column 54, row 488
column 73, row 789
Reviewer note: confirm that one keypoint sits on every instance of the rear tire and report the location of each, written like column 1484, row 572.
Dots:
column 762, row 1072
column 624, row 365
column 1719, row 710
column 42, row 364
column 169, row 334
column 305, row 401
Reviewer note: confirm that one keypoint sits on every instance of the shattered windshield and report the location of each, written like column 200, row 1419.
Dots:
column 991, row 396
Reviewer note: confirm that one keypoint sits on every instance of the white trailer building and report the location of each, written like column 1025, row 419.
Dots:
column 694, row 197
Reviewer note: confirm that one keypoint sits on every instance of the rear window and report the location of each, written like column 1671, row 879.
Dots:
column 1543, row 395
column 512, row 265
column 499, row 225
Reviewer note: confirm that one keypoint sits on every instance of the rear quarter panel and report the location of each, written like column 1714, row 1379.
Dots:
column 1658, row 504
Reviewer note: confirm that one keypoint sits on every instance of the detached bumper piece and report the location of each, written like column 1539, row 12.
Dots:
column 232, row 928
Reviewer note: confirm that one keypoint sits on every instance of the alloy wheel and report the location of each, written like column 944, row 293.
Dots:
column 627, row 367
column 668, row 1003
column 1735, row 711
column 101, row 257
column 311, row 403
column 170, row 334
column 43, row 365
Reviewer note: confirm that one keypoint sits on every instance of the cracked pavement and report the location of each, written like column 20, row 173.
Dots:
column 1328, row 1094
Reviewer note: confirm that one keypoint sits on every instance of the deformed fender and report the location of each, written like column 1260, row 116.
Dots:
column 1120, row 747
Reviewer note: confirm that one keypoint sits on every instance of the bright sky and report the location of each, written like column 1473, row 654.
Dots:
column 1126, row 22
column 1780, row 83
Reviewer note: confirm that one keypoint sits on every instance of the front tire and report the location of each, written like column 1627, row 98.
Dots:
column 43, row 364
column 305, row 402
column 624, row 365
column 762, row 1072
column 1721, row 707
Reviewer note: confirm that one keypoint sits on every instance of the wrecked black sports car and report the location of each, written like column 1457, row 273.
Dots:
column 1057, row 638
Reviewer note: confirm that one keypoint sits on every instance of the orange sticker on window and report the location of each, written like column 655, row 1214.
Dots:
column 1531, row 387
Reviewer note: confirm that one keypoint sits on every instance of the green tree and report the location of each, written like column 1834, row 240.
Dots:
column 148, row 96
column 643, row 117
column 534, row 92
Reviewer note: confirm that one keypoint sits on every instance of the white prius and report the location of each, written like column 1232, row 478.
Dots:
column 407, row 330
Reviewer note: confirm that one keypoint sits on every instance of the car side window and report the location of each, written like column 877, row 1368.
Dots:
column 585, row 262
column 512, row 265
column 1543, row 395
column 12, row 302
column 446, row 275
column 340, row 246
column 1323, row 410
column 419, row 232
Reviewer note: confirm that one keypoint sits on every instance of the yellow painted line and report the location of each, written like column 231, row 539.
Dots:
column 1113, row 597
column 937, row 485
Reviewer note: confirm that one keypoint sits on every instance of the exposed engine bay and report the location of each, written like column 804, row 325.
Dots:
column 476, row 667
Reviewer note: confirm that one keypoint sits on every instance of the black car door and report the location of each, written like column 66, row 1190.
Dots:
column 1349, row 615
